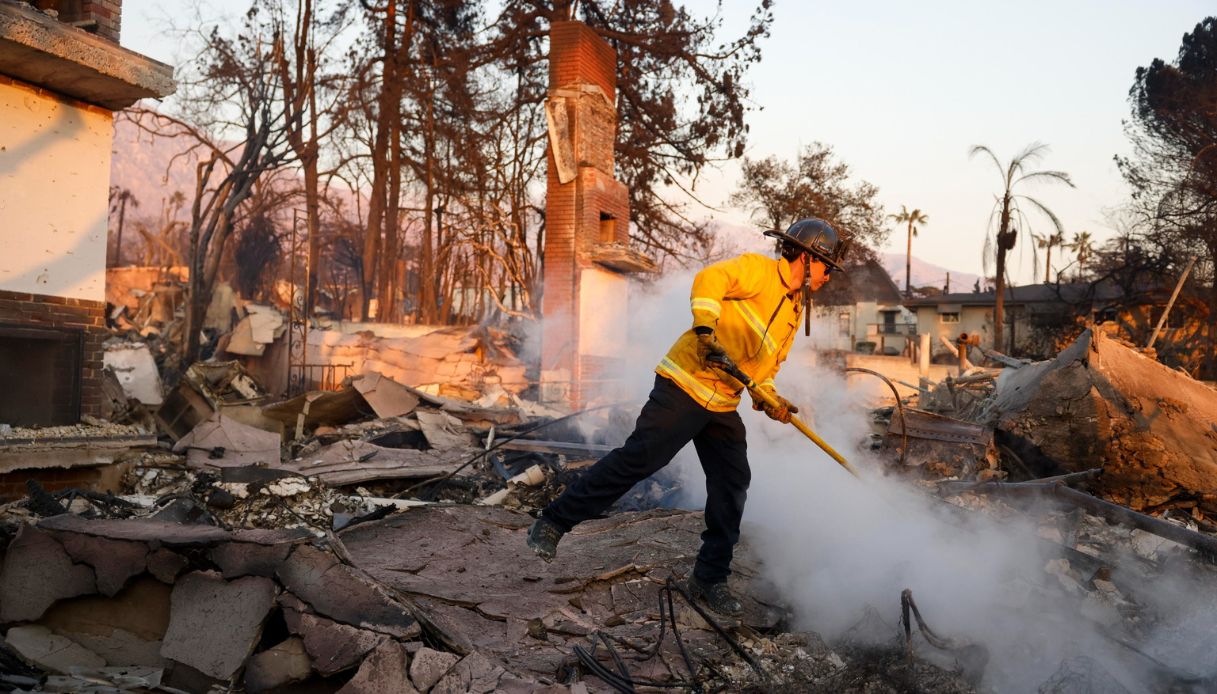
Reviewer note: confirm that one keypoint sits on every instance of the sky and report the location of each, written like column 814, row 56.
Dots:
column 902, row 91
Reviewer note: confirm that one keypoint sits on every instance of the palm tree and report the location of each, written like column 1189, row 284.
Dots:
column 1047, row 241
column 912, row 219
column 1008, row 208
column 1083, row 246
column 119, row 198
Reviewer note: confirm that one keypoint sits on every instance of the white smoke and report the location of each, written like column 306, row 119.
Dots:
column 837, row 546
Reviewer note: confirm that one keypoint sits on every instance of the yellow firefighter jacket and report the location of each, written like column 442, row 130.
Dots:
column 745, row 301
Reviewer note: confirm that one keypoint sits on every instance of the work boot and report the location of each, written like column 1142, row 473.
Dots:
column 716, row 596
column 543, row 537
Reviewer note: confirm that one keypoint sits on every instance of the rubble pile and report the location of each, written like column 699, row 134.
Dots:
column 94, row 428
column 193, row 607
column 371, row 538
column 1151, row 429
column 471, row 364
column 145, row 604
column 1112, row 581
column 608, row 585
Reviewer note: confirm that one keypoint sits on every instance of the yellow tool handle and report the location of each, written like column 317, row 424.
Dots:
column 798, row 423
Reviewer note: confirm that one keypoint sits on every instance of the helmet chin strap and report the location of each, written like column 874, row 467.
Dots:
column 806, row 295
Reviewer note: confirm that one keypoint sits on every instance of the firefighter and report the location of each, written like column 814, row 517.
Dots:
column 749, row 309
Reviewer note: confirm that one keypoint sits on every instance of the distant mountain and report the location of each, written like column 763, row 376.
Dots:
column 926, row 274
column 146, row 166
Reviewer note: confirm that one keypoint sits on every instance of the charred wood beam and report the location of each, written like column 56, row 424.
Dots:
column 953, row 487
column 1206, row 545
column 581, row 450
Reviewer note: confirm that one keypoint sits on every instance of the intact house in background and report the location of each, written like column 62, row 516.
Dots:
column 1040, row 316
column 861, row 310
column 62, row 77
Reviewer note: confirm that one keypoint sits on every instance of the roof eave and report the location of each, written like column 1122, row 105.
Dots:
column 41, row 51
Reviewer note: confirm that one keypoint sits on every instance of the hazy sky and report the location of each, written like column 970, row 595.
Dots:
column 902, row 90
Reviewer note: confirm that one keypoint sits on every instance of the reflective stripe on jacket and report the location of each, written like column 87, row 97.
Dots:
column 744, row 300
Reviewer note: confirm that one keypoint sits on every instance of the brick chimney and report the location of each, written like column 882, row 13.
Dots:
column 101, row 17
column 586, row 252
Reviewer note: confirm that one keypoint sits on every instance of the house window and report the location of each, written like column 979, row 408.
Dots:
column 1107, row 315
column 948, row 317
column 843, row 323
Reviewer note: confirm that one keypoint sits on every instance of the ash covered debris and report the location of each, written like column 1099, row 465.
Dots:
column 378, row 546
column 1104, row 450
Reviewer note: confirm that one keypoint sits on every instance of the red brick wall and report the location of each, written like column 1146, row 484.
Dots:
column 600, row 193
column 578, row 55
column 559, row 299
column 87, row 317
column 108, row 14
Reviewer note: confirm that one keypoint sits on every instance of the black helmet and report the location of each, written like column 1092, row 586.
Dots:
column 817, row 237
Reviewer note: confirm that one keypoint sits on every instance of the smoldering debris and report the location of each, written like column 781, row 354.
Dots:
column 1101, row 592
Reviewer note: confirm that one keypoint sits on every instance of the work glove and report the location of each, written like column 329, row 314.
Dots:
column 782, row 412
column 708, row 347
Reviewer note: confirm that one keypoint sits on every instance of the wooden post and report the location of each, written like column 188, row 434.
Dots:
column 1169, row 304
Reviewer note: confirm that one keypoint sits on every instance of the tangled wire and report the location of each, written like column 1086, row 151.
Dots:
column 622, row 681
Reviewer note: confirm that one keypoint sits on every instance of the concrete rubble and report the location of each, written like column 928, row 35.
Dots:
column 1151, row 429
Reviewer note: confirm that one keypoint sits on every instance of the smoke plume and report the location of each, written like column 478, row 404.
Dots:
column 840, row 548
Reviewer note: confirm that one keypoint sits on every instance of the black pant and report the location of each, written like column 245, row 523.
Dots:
column 668, row 421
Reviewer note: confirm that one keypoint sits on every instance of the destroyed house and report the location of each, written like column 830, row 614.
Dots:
column 62, row 77
column 1036, row 315
column 862, row 305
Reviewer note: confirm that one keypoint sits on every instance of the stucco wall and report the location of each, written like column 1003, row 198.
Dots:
column 972, row 320
column 54, row 182
column 603, row 313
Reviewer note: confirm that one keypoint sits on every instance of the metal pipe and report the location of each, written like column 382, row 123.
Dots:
column 904, row 430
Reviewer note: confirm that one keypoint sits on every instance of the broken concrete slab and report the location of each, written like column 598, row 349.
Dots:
column 386, row 397
column 1151, row 428
column 165, row 565
column 113, row 561
column 43, row 648
column 442, row 430
column 133, row 365
column 383, row 671
column 171, row 534
column 87, row 447
column 335, row 590
column 475, row 674
column 124, row 630
column 332, row 647
column 429, row 666
column 37, row 572
column 355, row 462
column 282, row 664
column 237, row 559
column 214, row 624
column 223, row 441
column 476, row 599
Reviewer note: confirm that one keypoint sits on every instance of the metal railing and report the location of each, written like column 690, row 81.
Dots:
column 306, row 377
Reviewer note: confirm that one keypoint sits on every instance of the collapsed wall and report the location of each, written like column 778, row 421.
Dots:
column 1102, row 404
